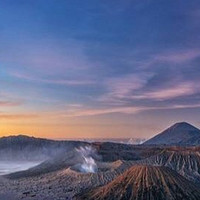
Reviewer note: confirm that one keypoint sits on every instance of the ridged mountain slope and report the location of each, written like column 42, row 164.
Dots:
column 146, row 182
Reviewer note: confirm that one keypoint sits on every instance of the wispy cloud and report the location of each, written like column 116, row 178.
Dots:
column 94, row 111
column 119, row 89
column 9, row 103
column 164, row 93
column 85, row 111
column 47, row 55
column 135, row 87
column 89, row 112
column 14, row 116
column 178, row 57
column 29, row 77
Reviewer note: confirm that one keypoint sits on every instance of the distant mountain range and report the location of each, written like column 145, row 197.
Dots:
column 116, row 140
column 29, row 148
column 181, row 133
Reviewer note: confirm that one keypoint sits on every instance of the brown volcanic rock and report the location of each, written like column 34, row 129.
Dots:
column 185, row 161
column 146, row 183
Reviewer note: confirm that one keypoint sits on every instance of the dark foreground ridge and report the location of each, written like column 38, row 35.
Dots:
column 146, row 182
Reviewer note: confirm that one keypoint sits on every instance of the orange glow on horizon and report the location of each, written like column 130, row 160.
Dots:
column 59, row 131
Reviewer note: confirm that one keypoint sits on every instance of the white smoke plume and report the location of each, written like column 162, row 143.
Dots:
column 88, row 164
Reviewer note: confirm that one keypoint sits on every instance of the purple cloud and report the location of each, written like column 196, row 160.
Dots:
column 119, row 89
column 180, row 90
column 9, row 103
column 178, row 57
column 30, row 77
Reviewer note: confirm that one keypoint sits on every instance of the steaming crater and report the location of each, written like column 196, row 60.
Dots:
column 88, row 164
column 101, row 166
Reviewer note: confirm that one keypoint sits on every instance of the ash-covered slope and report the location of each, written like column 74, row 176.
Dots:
column 179, row 134
column 63, row 184
column 146, row 182
column 185, row 161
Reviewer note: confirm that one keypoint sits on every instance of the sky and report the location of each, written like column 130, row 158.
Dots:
column 98, row 68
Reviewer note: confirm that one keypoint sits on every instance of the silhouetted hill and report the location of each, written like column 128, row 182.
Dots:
column 179, row 134
column 30, row 148
column 146, row 182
